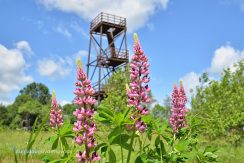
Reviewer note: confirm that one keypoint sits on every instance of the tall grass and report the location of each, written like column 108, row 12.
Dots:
column 10, row 139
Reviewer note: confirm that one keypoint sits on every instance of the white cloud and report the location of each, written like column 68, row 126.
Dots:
column 12, row 69
column 190, row 82
column 24, row 47
column 64, row 102
column 65, row 32
column 81, row 53
column 137, row 12
column 55, row 68
column 224, row 57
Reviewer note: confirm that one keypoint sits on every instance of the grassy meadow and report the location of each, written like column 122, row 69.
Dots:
column 11, row 139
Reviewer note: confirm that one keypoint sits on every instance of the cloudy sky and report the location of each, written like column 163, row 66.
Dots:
column 40, row 40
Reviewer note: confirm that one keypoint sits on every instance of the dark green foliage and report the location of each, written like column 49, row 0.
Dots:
column 116, row 91
column 33, row 101
column 25, row 110
column 37, row 91
column 220, row 105
column 157, row 111
column 162, row 113
column 167, row 108
column 68, row 110
column 3, row 115
column 180, row 147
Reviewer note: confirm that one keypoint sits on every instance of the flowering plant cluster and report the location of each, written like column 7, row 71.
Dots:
column 178, row 111
column 84, row 127
column 139, row 89
column 56, row 118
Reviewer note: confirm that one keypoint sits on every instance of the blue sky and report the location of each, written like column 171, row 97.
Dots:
column 40, row 40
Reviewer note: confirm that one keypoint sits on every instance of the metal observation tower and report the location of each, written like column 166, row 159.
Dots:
column 107, row 50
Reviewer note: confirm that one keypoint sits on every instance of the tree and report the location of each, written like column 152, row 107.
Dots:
column 157, row 111
column 220, row 104
column 33, row 100
column 116, row 91
column 29, row 111
column 68, row 110
column 12, row 118
column 3, row 114
column 167, row 107
column 37, row 91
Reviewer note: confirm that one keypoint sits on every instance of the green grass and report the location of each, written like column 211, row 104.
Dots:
column 227, row 153
column 17, row 140
column 10, row 139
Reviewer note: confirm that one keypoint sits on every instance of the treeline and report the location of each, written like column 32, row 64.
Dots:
column 33, row 101
column 219, row 104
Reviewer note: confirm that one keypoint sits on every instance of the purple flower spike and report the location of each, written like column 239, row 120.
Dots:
column 138, row 92
column 178, row 111
column 56, row 118
column 84, row 127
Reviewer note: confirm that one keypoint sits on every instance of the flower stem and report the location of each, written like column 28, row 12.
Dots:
column 121, row 150
column 131, row 145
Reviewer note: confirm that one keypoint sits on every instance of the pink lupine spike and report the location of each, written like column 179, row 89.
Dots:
column 56, row 118
column 139, row 90
column 178, row 111
column 84, row 128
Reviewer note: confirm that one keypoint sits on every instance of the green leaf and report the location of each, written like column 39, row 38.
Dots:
column 51, row 139
column 126, row 146
column 104, row 150
column 35, row 134
column 116, row 131
column 15, row 156
column 122, row 138
column 55, row 143
column 127, row 112
column 112, row 157
column 106, row 116
column 64, row 143
column 182, row 146
column 99, row 146
column 118, row 117
column 138, row 160
column 157, row 140
column 210, row 149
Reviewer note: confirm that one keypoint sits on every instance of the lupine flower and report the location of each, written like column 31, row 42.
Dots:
column 56, row 118
column 84, row 127
column 138, row 89
column 178, row 111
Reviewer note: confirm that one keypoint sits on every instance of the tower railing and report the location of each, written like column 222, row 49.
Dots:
column 108, row 18
column 117, row 53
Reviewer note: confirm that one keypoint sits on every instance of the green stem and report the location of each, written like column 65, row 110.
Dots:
column 121, row 150
column 131, row 145
column 173, row 144
column 61, row 144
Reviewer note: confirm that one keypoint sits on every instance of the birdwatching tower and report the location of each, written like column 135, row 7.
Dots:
column 107, row 50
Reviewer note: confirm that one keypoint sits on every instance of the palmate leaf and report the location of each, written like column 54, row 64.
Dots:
column 120, row 139
column 64, row 142
column 116, row 131
column 55, row 143
column 99, row 146
column 112, row 156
